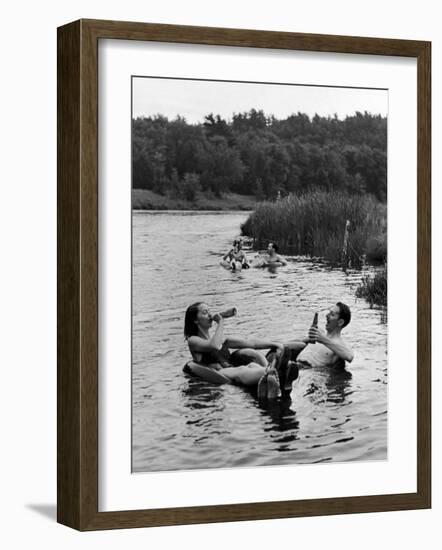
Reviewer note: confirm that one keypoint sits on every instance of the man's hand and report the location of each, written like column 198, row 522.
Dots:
column 316, row 335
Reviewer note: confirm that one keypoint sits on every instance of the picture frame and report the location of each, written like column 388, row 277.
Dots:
column 78, row 277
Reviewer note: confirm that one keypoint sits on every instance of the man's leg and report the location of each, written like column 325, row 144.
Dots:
column 287, row 370
column 295, row 348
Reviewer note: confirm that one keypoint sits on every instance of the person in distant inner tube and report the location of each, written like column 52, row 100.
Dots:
column 236, row 257
column 246, row 366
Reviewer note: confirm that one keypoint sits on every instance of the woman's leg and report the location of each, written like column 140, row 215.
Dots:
column 247, row 375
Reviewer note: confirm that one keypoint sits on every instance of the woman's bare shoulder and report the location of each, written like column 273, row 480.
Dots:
column 195, row 340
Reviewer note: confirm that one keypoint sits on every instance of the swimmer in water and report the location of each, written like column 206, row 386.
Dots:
column 273, row 258
column 269, row 259
column 329, row 348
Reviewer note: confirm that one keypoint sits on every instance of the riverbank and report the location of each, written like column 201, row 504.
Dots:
column 144, row 199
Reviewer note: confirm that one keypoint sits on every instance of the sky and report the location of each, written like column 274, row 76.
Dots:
column 193, row 99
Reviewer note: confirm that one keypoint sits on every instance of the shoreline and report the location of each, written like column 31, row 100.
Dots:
column 145, row 199
column 179, row 210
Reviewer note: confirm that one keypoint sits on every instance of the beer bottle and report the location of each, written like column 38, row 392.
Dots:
column 228, row 312
column 314, row 324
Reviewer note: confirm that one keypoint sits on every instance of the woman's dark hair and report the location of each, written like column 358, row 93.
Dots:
column 275, row 246
column 344, row 313
column 190, row 327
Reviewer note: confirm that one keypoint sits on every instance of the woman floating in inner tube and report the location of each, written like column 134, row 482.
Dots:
column 213, row 360
column 235, row 259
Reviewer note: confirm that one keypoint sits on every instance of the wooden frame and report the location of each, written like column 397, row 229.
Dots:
column 78, row 274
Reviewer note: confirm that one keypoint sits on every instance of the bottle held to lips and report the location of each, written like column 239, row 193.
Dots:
column 231, row 312
column 227, row 313
column 315, row 325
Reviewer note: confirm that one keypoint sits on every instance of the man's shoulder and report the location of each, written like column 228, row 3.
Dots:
column 338, row 338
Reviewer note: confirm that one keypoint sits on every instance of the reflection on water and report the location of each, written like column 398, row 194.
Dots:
column 184, row 423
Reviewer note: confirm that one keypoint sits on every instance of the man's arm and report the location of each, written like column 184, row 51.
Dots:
column 338, row 347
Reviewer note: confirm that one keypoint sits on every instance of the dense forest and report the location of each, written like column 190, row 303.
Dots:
column 255, row 154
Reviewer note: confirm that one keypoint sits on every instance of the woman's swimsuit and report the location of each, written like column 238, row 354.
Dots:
column 237, row 256
column 222, row 357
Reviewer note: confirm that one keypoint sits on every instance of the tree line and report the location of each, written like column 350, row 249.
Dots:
column 255, row 154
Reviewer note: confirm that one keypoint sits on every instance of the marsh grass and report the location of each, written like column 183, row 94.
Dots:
column 313, row 224
column 373, row 288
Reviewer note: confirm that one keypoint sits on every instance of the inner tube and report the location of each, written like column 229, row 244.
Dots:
column 205, row 373
column 233, row 265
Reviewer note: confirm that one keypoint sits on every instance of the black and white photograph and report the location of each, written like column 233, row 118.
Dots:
column 259, row 274
column 202, row 206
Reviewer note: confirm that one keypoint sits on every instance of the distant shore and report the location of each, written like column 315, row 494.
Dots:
column 144, row 199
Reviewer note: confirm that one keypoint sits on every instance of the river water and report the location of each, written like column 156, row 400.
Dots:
column 182, row 423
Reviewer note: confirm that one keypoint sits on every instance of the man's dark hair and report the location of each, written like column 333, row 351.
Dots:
column 344, row 313
column 275, row 246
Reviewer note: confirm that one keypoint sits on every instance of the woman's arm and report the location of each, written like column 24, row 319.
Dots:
column 238, row 343
column 196, row 343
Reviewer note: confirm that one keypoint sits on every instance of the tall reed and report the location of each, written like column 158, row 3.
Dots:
column 313, row 224
column 373, row 288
